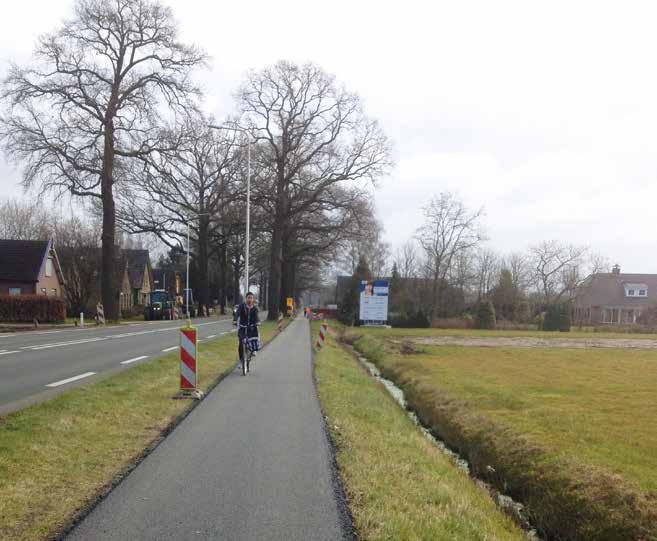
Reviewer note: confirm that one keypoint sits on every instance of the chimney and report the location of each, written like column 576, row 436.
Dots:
column 616, row 269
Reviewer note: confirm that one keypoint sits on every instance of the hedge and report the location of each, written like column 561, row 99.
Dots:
column 27, row 308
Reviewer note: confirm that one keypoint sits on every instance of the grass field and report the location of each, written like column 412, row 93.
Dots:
column 399, row 486
column 572, row 433
column 482, row 333
column 58, row 456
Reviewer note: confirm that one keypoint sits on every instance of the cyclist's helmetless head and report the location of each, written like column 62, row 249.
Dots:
column 250, row 299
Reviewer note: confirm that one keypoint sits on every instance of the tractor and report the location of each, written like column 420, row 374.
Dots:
column 160, row 307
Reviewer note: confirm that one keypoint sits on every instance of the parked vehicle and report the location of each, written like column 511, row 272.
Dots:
column 161, row 306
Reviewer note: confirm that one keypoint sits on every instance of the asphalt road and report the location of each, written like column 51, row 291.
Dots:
column 36, row 365
column 251, row 462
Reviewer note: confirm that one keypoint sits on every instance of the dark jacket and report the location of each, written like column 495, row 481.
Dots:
column 248, row 318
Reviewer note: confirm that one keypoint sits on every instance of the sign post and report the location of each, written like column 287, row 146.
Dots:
column 188, row 363
column 290, row 306
column 374, row 302
column 100, row 314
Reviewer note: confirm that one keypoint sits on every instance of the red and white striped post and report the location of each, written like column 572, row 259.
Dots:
column 188, row 364
column 280, row 322
column 100, row 314
column 323, row 330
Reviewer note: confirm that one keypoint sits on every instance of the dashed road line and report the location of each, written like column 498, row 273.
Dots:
column 130, row 361
column 70, row 380
column 8, row 352
column 211, row 337
column 62, row 344
column 169, row 349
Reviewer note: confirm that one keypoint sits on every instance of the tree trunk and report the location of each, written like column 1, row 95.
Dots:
column 204, row 281
column 223, row 278
column 107, row 287
column 274, row 292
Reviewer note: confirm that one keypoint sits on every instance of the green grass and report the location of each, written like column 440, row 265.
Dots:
column 399, row 486
column 58, row 456
column 571, row 432
column 482, row 333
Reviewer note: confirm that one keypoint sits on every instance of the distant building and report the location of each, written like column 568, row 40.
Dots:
column 140, row 275
column 614, row 298
column 30, row 267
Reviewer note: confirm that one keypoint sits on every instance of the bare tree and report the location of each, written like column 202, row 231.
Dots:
column 92, row 100
column 407, row 260
column 486, row 271
column 317, row 137
column 193, row 182
column 77, row 247
column 519, row 265
column 560, row 269
column 449, row 230
column 25, row 221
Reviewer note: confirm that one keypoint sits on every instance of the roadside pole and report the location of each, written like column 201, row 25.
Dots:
column 82, row 320
column 189, row 364
column 323, row 331
column 100, row 314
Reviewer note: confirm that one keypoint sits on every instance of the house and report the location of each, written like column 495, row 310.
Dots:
column 140, row 275
column 614, row 298
column 30, row 267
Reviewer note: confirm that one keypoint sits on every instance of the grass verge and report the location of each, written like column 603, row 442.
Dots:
column 398, row 485
column 57, row 458
column 570, row 433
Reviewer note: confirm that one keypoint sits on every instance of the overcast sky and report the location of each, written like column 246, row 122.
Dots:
column 543, row 113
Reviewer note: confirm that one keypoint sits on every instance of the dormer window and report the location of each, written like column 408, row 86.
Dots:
column 636, row 290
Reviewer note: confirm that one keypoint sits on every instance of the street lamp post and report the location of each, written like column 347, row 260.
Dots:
column 189, row 319
column 245, row 133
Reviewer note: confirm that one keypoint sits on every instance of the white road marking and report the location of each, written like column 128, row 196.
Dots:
column 211, row 337
column 169, row 349
column 129, row 361
column 62, row 344
column 8, row 352
column 70, row 380
column 47, row 332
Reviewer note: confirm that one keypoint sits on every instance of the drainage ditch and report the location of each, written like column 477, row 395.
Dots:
column 508, row 505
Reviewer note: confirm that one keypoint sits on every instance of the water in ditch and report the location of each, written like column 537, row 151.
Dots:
column 513, row 508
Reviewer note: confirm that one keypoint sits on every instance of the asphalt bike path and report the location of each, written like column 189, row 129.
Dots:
column 251, row 462
column 35, row 366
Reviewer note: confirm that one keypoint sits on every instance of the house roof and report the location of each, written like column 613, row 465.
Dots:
column 608, row 289
column 138, row 261
column 22, row 260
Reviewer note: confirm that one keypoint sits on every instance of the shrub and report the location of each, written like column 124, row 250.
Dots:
column 557, row 318
column 465, row 322
column 485, row 318
column 417, row 321
column 523, row 312
column 27, row 308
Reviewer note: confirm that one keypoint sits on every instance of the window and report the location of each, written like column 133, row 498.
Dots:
column 54, row 292
column 643, row 293
column 630, row 293
column 49, row 267
column 14, row 291
column 44, row 291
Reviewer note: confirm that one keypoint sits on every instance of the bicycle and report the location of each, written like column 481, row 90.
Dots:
column 250, row 345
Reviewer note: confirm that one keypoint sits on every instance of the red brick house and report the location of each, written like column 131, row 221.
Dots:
column 614, row 298
column 30, row 267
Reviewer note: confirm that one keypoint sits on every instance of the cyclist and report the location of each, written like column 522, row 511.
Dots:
column 248, row 320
